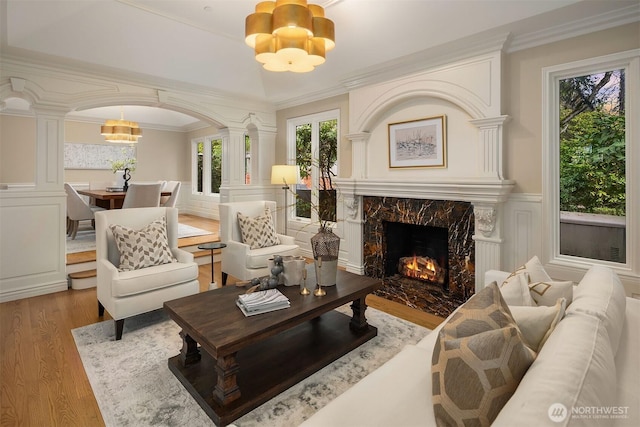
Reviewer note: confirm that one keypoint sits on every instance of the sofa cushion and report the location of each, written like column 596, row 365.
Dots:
column 478, row 361
column 515, row 291
column 258, row 232
column 392, row 395
column 534, row 269
column 537, row 323
column 542, row 290
column 600, row 293
column 548, row 292
column 142, row 248
column 135, row 282
column 575, row 368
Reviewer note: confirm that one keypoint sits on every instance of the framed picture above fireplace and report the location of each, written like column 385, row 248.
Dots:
column 418, row 143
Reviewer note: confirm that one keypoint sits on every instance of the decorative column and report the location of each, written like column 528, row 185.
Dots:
column 49, row 148
column 487, row 239
column 490, row 146
column 232, row 161
column 359, row 154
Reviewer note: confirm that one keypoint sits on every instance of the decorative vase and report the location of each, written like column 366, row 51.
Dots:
column 127, row 176
column 293, row 268
column 326, row 247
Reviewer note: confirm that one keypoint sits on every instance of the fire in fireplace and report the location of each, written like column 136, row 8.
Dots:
column 418, row 252
column 422, row 268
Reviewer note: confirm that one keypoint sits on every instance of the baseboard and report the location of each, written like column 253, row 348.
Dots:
column 40, row 289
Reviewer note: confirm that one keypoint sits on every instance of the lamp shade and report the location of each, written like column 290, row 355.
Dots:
column 284, row 174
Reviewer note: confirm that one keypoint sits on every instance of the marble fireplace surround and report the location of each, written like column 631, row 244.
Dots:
column 487, row 197
column 455, row 217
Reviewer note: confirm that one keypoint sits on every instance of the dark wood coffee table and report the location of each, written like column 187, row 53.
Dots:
column 249, row 360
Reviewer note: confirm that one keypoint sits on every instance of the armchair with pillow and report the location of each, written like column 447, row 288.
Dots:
column 248, row 229
column 139, row 265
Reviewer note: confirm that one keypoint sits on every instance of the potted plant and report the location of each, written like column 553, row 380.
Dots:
column 126, row 165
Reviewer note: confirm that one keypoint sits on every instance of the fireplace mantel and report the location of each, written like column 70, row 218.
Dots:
column 485, row 194
column 474, row 190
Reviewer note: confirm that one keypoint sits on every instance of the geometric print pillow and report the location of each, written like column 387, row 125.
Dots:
column 142, row 248
column 258, row 232
column 548, row 292
column 478, row 361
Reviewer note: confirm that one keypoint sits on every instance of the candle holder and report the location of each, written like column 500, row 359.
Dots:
column 319, row 291
column 303, row 284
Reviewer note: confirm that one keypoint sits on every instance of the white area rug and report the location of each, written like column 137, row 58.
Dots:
column 86, row 237
column 134, row 387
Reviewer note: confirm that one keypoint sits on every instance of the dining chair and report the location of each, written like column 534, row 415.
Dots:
column 142, row 196
column 170, row 201
column 77, row 210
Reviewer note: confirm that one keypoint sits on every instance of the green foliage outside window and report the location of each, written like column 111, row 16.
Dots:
column 592, row 144
column 326, row 162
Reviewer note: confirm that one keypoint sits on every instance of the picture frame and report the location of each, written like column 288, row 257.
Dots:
column 418, row 143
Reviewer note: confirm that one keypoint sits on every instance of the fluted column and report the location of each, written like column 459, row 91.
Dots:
column 359, row 154
column 490, row 146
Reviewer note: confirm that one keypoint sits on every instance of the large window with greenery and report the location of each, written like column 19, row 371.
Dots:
column 313, row 142
column 207, row 165
column 587, row 158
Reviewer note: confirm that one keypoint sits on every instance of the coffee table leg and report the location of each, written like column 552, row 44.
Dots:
column 358, row 321
column 226, row 389
column 189, row 354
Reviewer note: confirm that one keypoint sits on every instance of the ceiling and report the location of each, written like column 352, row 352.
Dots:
column 199, row 44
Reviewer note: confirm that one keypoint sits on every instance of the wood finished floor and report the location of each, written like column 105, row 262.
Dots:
column 43, row 382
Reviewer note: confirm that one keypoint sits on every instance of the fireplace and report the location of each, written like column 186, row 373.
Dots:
column 396, row 228
column 418, row 252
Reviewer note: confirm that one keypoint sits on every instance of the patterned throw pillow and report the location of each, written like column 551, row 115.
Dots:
column 548, row 292
column 258, row 232
column 478, row 361
column 142, row 248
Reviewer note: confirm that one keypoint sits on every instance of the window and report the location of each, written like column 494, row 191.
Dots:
column 247, row 159
column 589, row 186
column 313, row 143
column 207, row 165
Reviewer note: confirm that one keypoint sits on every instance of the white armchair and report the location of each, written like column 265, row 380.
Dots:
column 129, row 293
column 238, row 259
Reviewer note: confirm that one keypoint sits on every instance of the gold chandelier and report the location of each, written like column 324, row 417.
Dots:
column 121, row 131
column 289, row 35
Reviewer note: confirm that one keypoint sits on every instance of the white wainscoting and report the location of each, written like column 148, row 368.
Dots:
column 522, row 229
column 32, row 246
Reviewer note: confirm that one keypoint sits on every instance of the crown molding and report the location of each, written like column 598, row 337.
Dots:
column 52, row 64
column 577, row 28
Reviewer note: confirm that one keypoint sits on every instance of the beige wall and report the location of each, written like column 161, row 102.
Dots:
column 523, row 100
column 344, row 145
column 17, row 150
column 162, row 155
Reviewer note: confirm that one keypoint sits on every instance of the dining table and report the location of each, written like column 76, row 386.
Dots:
column 109, row 199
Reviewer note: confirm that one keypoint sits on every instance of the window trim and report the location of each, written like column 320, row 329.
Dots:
column 315, row 120
column 630, row 62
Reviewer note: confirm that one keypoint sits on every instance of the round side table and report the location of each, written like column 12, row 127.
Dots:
column 212, row 246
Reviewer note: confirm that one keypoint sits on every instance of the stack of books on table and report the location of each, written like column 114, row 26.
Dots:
column 262, row 302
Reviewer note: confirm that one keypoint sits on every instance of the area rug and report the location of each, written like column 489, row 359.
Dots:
column 86, row 237
column 134, row 387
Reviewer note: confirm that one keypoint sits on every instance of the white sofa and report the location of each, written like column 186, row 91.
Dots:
column 590, row 363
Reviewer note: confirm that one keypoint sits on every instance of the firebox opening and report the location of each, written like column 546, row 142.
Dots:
column 419, row 252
